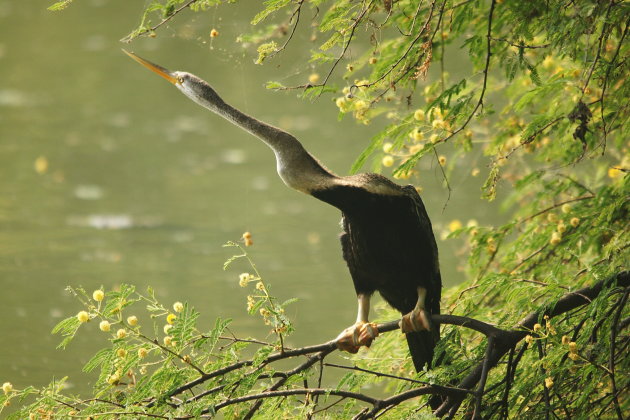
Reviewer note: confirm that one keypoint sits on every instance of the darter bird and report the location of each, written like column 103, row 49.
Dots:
column 387, row 238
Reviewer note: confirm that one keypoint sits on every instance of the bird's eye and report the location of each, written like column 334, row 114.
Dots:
column 180, row 80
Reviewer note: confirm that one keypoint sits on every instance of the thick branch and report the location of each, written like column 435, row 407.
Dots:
column 509, row 339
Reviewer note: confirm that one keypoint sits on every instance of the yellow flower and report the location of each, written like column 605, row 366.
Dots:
column 574, row 356
column 313, row 78
column 7, row 387
column 434, row 138
column 529, row 339
column 168, row 340
column 264, row 312
column 260, row 286
column 548, row 382
column 566, row 208
column 388, row 147
column 132, row 320
column 475, row 172
column 419, row 115
column 437, row 113
column 41, row 165
column 170, row 318
column 574, row 221
column 121, row 353
column 387, row 161
column 565, row 340
column 214, row 33
column 361, row 105
column 341, row 103
column 438, row 123
column 178, row 306
column 142, row 352
column 372, row 60
column 250, row 303
column 556, row 237
column 537, row 327
column 247, row 235
column 104, row 326
column 113, row 379
column 243, row 279
column 83, row 316
column 561, row 228
column 248, row 242
column 121, row 333
column 442, row 160
column 98, row 295
column 614, row 173
column 417, row 135
column 454, row 225
column 552, row 218
column 573, row 347
column 167, row 328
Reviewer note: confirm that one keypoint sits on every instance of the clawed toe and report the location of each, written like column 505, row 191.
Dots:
column 360, row 334
column 416, row 320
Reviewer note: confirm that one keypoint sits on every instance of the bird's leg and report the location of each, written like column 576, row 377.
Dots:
column 362, row 333
column 418, row 319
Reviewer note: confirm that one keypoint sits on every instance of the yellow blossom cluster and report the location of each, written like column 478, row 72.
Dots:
column 98, row 295
column 244, row 279
column 573, row 353
column 250, row 303
column 247, row 239
column 548, row 382
column 83, row 316
column 7, row 387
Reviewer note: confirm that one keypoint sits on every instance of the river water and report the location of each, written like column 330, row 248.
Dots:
column 109, row 175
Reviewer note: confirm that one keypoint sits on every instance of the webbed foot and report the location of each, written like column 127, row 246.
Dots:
column 416, row 320
column 357, row 335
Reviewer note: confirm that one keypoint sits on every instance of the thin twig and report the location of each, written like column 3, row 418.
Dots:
column 128, row 39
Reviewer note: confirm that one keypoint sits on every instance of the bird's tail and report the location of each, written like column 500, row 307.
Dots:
column 421, row 345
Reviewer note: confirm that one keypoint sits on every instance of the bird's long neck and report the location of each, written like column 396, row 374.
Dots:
column 297, row 168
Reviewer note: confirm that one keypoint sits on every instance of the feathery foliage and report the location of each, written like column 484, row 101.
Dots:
column 540, row 109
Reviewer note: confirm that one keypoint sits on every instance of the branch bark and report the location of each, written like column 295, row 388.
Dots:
column 506, row 342
column 500, row 342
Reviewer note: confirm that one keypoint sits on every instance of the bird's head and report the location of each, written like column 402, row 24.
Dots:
column 190, row 85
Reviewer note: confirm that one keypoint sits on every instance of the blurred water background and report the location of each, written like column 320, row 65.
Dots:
column 108, row 175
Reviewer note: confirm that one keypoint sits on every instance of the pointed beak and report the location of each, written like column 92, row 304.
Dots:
column 154, row 68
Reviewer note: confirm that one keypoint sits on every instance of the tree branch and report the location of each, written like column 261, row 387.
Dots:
column 507, row 341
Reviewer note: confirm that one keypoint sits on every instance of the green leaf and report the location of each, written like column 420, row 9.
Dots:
column 271, row 6
column 274, row 85
column 60, row 5
column 98, row 359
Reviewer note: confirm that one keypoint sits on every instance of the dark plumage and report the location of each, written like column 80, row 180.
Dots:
column 389, row 247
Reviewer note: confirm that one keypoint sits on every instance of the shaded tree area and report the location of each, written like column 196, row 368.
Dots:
column 539, row 328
